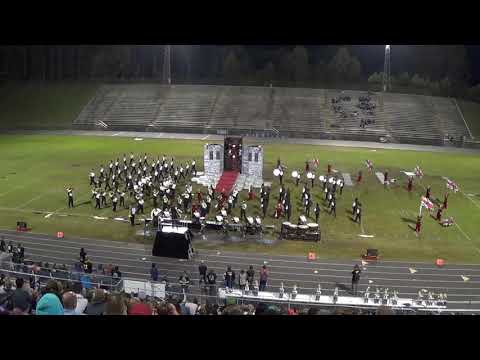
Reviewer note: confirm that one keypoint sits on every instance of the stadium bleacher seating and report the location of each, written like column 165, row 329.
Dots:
column 292, row 112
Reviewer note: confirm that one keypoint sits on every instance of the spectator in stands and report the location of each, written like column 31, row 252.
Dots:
column 83, row 255
column 70, row 303
column 250, row 276
column 229, row 278
column 355, row 279
column 212, row 282
column 81, row 301
column 86, row 281
column 115, row 305
column 184, row 281
column 139, row 306
column 97, row 304
column 190, row 308
column 154, row 273
column 263, row 278
column 2, row 280
column 22, row 298
column 166, row 308
column 116, row 274
column 3, row 246
column 6, row 294
column 49, row 304
column 242, row 279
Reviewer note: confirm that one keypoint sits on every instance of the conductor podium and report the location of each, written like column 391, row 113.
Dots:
column 174, row 242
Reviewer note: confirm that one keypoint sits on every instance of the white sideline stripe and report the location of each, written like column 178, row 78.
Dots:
column 205, row 137
column 116, row 134
column 348, row 179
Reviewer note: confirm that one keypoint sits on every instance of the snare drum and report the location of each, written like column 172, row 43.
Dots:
column 302, row 229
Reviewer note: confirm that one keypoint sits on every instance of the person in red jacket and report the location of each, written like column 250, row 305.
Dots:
column 140, row 307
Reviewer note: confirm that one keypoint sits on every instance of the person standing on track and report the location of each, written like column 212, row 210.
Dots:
column 202, row 271
column 263, row 278
column 355, row 279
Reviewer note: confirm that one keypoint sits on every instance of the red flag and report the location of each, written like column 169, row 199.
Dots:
column 426, row 203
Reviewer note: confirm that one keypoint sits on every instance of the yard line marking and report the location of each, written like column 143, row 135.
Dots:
column 205, row 137
column 12, row 189
column 469, row 198
column 118, row 133
column 31, row 200
column 464, row 234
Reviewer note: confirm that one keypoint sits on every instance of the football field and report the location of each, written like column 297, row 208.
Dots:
column 36, row 169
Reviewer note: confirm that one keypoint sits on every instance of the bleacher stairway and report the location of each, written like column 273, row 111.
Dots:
column 294, row 112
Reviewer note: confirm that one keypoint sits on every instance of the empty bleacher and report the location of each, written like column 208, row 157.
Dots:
column 292, row 112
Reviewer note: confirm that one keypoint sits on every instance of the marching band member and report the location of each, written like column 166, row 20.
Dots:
column 110, row 168
column 116, row 165
column 243, row 210
column 342, row 184
column 297, row 179
column 122, row 199
column 104, row 198
column 124, row 159
column 101, row 171
column 354, row 206
column 445, row 201
column 307, row 167
column 140, row 205
column 114, row 202
column 131, row 159
column 92, row 177
column 154, row 214
column 358, row 214
column 327, row 193
column 70, row 197
column 329, row 169
column 333, row 208
column 97, row 199
column 133, row 211
column 308, row 204
column 317, row 212
column 194, row 170
column 385, row 178
column 279, row 210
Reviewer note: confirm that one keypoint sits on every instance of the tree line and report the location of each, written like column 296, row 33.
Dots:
column 438, row 70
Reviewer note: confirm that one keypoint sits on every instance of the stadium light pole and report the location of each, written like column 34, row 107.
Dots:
column 386, row 70
column 167, row 76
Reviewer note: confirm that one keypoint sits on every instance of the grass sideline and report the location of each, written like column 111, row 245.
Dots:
column 35, row 169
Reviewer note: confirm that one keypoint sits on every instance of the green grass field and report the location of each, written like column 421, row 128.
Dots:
column 36, row 169
column 52, row 105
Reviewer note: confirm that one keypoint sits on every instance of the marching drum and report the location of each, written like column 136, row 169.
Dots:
column 276, row 172
column 312, row 227
column 310, row 175
column 322, row 178
column 295, row 174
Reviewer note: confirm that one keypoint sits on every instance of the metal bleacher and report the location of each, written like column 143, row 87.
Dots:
column 291, row 112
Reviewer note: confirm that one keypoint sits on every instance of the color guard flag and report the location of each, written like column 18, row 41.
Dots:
column 418, row 171
column 452, row 186
column 316, row 163
column 426, row 203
